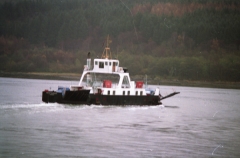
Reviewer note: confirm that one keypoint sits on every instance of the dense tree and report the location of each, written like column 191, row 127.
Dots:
column 184, row 39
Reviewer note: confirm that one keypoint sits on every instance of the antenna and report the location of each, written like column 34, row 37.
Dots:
column 107, row 53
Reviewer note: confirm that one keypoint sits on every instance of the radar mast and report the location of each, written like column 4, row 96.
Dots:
column 107, row 52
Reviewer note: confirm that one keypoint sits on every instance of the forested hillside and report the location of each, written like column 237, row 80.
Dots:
column 175, row 39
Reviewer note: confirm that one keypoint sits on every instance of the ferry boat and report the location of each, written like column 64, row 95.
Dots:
column 106, row 83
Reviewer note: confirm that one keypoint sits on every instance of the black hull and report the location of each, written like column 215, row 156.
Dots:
column 49, row 96
column 83, row 97
column 70, row 97
column 124, row 100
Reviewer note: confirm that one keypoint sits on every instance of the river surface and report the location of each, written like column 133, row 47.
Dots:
column 198, row 122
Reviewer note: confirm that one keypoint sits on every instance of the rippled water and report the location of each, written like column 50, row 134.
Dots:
column 199, row 122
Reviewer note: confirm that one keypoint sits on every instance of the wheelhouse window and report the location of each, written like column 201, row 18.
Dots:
column 96, row 62
column 106, row 63
column 98, row 78
column 125, row 83
column 101, row 64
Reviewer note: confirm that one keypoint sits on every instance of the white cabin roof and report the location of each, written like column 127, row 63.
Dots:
column 106, row 65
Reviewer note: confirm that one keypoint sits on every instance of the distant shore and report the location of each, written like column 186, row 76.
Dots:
column 76, row 77
column 41, row 75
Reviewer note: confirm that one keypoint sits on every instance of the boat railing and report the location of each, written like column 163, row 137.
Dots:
column 86, row 68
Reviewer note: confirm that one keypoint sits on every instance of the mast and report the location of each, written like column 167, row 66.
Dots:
column 107, row 53
column 88, row 61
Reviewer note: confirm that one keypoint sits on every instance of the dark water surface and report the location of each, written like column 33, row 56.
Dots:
column 199, row 122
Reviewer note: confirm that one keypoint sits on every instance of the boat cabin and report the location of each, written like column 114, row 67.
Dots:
column 105, row 76
column 106, row 65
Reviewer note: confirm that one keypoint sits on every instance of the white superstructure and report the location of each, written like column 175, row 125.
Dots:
column 108, row 78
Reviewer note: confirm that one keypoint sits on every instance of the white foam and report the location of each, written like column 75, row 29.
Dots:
column 26, row 105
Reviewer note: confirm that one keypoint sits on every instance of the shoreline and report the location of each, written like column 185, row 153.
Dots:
column 41, row 75
column 76, row 77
